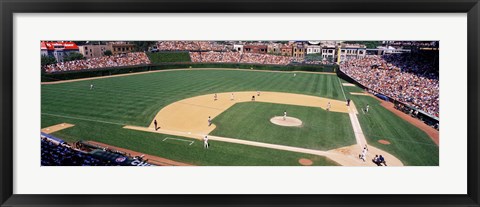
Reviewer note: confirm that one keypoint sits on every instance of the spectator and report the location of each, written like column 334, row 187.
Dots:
column 412, row 81
column 128, row 59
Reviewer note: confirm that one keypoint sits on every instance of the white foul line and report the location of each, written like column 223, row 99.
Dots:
column 191, row 142
column 84, row 119
column 357, row 129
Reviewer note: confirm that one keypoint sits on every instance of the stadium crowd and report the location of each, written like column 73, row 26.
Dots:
column 411, row 80
column 128, row 59
column 54, row 154
column 236, row 57
column 189, row 46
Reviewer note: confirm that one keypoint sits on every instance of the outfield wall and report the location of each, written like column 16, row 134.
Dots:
column 68, row 75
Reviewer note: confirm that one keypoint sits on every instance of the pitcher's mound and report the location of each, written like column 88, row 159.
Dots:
column 382, row 141
column 289, row 121
column 304, row 161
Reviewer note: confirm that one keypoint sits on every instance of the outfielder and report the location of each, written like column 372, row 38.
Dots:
column 91, row 86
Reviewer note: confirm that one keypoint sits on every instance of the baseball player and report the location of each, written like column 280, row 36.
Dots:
column 285, row 115
column 328, row 106
column 363, row 156
column 253, row 98
column 294, row 75
column 209, row 121
column 381, row 160
column 205, row 142
column 366, row 109
column 91, row 86
column 155, row 123
column 258, row 93
column 215, row 97
column 232, row 97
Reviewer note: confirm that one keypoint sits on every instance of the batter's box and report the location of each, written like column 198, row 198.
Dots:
column 183, row 140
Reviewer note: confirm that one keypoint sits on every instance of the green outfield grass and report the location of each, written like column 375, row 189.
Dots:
column 220, row 153
column 408, row 143
column 321, row 130
column 134, row 100
column 168, row 57
column 99, row 114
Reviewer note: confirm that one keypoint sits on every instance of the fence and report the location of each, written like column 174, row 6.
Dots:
column 68, row 75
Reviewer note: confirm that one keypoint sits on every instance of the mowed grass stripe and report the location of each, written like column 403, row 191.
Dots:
column 158, row 89
column 144, row 95
column 219, row 154
column 321, row 130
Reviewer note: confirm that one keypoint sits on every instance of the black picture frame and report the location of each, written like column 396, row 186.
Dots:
column 10, row 7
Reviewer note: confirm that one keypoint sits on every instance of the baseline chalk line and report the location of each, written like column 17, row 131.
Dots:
column 167, row 138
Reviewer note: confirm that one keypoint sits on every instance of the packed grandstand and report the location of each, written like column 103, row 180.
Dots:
column 56, row 152
column 410, row 78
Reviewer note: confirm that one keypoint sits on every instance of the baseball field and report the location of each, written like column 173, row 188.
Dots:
column 120, row 111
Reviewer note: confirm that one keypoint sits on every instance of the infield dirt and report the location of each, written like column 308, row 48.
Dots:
column 189, row 118
column 191, row 115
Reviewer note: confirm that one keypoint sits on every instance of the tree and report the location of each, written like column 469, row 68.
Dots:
column 330, row 59
column 141, row 46
column 48, row 60
column 313, row 57
column 108, row 53
column 74, row 56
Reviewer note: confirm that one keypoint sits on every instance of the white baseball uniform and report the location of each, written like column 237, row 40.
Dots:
column 205, row 142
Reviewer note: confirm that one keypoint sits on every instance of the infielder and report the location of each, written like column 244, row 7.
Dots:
column 155, row 123
column 205, row 142
column 328, row 106
column 232, row 97
column 363, row 156
column 209, row 121
column 285, row 115
column 215, row 97
column 258, row 93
